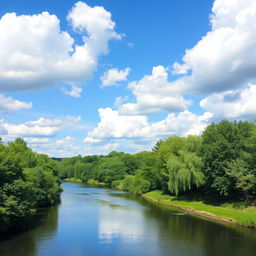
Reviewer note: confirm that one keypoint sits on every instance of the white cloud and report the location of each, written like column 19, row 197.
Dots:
column 225, row 58
column 114, row 126
column 8, row 103
column 35, row 53
column 155, row 94
column 74, row 91
column 119, row 101
column 91, row 140
column 68, row 147
column 65, row 141
column 32, row 140
column 64, row 147
column 232, row 104
column 95, row 21
column 113, row 76
column 40, row 128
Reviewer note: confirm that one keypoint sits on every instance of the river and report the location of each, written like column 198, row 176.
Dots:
column 101, row 221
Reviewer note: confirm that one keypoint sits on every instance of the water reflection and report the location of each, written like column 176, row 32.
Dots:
column 192, row 235
column 100, row 221
column 31, row 242
column 120, row 224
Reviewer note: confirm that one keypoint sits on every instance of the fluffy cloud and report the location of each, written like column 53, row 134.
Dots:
column 234, row 104
column 68, row 146
column 40, row 128
column 225, row 58
column 154, row 94
column 36, row 53
column 114, row 126
column 32, row 140
column 74, row 91
column 8, row 103
column 64, row 147
column 113, row 76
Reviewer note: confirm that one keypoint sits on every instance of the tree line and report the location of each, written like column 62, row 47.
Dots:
column 28, row 181
column 220, row 164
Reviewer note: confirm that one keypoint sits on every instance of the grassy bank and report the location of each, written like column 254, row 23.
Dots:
column 224, row 213
column 95, row 182
column 74, row 180
column 89, row 181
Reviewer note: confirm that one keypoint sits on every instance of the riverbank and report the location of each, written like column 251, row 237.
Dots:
column 225, row 213
column 89, row 181
column 73, row 180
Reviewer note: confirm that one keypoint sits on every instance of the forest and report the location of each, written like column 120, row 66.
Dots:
column 220, row 164
column 28, row 181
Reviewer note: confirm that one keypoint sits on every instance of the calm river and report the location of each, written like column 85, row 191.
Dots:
column 101, row 221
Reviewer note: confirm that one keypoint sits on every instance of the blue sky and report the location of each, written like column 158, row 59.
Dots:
column 95, row 76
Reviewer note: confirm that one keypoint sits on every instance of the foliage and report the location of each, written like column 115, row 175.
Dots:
column 223, row 144
column 136, row 184
column 110, row 169
column 242, row 177
column 185, row 171
column 27, row 181
column 181, row 164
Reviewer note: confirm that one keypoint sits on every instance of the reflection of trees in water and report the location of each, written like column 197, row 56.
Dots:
column 133, row 221
column 213, row 238
column 28, row 243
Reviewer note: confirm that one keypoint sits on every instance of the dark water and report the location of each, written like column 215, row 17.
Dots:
column 100, row 221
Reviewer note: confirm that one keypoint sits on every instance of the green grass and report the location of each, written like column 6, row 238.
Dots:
column 74, row 180
column 89, row 181
column 95, row 182
column 246, row 216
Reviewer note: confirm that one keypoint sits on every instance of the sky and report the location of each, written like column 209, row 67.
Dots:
column 90, row 77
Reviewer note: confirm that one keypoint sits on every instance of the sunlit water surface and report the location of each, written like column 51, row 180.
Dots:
column 101, row 221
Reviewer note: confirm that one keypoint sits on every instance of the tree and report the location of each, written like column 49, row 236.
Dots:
column 180, row 163
column 243, row 178
column 222, row 144
column 27, row 181
column 110, row 169
column 184, row 172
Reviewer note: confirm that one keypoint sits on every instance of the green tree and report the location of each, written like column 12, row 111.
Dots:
column 110, row 169
column 27, row 181
column 180, row 163
column 243, row 178
column 222, row 144
column 184, row 171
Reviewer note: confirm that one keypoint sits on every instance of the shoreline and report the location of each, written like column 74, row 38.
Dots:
column 89, row 182
column 244, row 218
column 153, row 197
column 205, row 215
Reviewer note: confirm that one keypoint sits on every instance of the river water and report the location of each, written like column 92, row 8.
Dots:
column 101, row 221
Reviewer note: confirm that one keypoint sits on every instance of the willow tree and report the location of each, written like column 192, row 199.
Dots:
column 184, row 172
column 181, row 164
